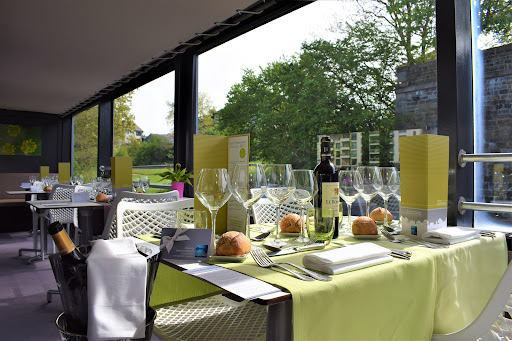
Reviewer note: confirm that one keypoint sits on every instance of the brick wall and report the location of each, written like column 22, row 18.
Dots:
column 416, row 107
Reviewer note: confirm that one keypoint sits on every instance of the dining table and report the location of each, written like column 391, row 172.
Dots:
column 438, row 290
column 40, row 211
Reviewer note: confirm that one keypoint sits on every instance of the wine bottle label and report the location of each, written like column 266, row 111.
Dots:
column 63, row 242
column 330, row 198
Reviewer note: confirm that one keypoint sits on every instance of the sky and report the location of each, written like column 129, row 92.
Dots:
column 222, row 67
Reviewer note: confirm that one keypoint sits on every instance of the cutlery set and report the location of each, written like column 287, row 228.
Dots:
column 393, row 239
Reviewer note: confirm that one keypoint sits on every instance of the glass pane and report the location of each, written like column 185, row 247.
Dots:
column 144, row 128
column 357, row 71
column 492, row 27
column 85, row 144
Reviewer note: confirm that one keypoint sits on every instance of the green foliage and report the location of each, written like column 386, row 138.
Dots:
column 85, row 148
column 153, row 151
column 177, row 174
column 206, row 111
column 496, row 20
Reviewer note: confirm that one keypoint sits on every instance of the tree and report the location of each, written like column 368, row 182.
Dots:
column 85, row 149
column 496, row 20
column 153, row 151
column 206, row 111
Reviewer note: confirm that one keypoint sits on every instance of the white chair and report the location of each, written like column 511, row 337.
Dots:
column 213, row 318
column 265, row 211
column 110, row 230
column 63, row 215
column 79, row 189
column 135, row 218
column 490, row 324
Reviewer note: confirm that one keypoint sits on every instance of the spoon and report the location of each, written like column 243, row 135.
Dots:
column 261, row 236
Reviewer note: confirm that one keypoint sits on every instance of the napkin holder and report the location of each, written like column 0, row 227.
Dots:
column 424, row 183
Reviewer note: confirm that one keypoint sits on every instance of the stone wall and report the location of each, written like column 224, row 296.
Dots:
column 416, row 107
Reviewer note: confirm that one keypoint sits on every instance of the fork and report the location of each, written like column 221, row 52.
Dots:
column 392, row 239
column 261, row 258
column 309, row 242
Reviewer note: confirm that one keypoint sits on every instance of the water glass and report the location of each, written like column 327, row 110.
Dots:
column 320, row 223
column 136, row 184
column 32, row 179
column 144, row 183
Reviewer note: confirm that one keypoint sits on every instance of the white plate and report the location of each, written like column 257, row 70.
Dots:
column 290, row 234
column 232, row 259
column 366, row 236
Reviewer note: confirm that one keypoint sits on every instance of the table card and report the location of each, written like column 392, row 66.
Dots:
column 186, row 244
column 64, row 172
column 423, row 183
column 44, row 171
column 213, row 151
column 80, row 197
column 121, row 172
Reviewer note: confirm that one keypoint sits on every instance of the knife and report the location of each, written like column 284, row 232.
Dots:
column 318, row 246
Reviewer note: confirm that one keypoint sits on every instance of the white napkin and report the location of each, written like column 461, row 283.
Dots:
column 116, row 284
column 351, row 257
column 451, row 235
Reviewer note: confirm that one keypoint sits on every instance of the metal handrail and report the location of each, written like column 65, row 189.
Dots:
column 483, row 157
column 464, row 205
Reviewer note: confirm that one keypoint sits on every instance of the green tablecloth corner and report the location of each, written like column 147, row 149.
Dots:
column 442, row 292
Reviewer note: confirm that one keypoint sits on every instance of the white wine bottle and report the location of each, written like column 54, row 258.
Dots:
column 328, row 185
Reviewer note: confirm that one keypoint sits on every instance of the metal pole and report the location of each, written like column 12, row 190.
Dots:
column 484, row 157
column 464, row 205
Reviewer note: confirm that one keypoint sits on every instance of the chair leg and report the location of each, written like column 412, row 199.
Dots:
column 50, row 293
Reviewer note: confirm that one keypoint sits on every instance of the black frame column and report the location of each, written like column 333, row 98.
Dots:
column 185, row 113
column 105, row 133
column 455, row 98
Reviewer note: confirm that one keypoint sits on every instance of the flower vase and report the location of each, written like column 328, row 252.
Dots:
column 179, row 187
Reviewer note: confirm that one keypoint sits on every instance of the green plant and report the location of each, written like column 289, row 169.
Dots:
column 177, row 174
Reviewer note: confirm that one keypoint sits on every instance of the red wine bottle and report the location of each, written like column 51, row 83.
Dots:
column 328, row 186
column 71, row 277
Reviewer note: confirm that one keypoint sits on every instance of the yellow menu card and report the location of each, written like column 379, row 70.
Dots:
column 423, row 183
column 211, row 151
column 64, row 172
column 44, row 171
column 121, row 172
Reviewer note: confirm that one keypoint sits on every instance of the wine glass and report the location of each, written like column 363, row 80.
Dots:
column 213, row 190
column 305, row 188
column 248, row 184
column 136, row 184
column 371, row 182
column 72, row 180
column 32, row 179
column 144, row 183
column 280, row 185
column 398, row 196
column 389, row 186
column 349, row 182
column 79, row 180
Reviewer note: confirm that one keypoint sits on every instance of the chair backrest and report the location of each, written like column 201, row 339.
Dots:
column 110, row 230
column 490, row 324
column 135, row 218
column 78, row 189
column 265, row 211
column 61, row 192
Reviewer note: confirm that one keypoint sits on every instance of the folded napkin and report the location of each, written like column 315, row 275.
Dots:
column 116, row 284
column 351, row 257
column 451, row 235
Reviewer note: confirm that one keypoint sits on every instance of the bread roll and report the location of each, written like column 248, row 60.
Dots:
column 233, row 243
column 378, row 214
column 101, row 197
column 47, row 189
column 364, row 226
column 290, row 223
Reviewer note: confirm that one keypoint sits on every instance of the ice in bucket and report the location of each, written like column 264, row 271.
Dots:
column 424, row 183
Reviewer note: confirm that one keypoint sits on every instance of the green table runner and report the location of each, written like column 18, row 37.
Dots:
column 438, row 290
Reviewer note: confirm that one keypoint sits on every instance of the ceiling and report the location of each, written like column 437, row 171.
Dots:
column 56, row 54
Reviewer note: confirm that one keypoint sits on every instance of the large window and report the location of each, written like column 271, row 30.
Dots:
column 144, row 127
column 492, row 55
column 85, row 144
column 330, row 68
